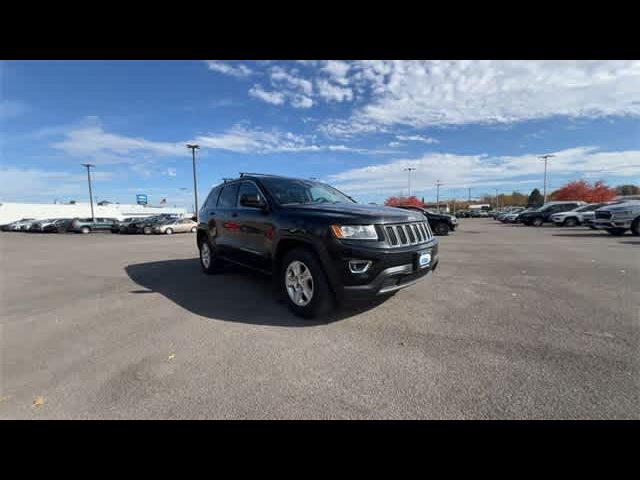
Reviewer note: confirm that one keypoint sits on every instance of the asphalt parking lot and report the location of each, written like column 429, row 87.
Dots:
column 517, row 322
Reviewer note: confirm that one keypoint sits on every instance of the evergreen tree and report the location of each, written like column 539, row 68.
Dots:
column 535, row 198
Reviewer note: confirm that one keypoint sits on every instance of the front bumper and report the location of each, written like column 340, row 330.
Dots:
column 612, row 223
column 391, row 269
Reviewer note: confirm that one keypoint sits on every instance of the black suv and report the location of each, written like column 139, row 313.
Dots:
column 440, row 223
column 319, row 244
column 543, row 214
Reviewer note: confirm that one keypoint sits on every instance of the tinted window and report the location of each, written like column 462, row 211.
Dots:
column 247, row 188
column 212, row 199
column 228, row 196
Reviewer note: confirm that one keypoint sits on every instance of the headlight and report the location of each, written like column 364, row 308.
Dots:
column 355, row 232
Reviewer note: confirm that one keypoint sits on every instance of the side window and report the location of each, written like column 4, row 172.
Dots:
column 212, row 199
column 228, row 196
column 247, row 188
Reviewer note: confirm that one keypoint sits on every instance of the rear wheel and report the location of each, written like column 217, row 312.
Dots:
column 208, row 260
column 85, row 230
column 305, row 283
column 635, row 227
column 571, row 222
column 146, row 230
column 194, row 230
column 616, row 231
column 441, row 228
column 537, row 222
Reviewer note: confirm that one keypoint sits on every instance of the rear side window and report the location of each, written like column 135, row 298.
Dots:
column 228, row 196
column 212, row 199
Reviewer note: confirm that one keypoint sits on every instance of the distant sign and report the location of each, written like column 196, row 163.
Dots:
column 141, row 199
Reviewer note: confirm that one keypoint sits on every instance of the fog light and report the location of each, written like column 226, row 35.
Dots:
column 359, row 266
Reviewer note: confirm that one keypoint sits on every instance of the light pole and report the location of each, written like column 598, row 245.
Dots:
column 497, row 201
column 438, row 183
column 545, row 158
column 88, row 167
column 193, row 148
column 409, row 169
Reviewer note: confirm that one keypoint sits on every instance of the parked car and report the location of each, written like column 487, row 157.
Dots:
column 320, row 245
column 87, row 225
column 122, row 225
column 15, row 226
column 38, row 225
column 516, row 216
column 573, row 218
column 27, row 225
column 543, row 214
column 617, row 219
column 146, row 226
column 59, row 225
column 180, row 225
column 440, row 223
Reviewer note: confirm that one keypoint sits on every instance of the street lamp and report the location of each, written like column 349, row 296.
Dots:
column 193, row 148
column 545, row 158
column 88, row 167
column 438, row 183
column 409, row 169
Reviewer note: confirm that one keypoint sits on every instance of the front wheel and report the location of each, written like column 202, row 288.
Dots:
column 441, row 229
column 616, row 231
column 146, row 230
column 194, row 230
column 169, row 231
column 571, row 222
column 537, row 222
column 85, row 230
column 305, row 283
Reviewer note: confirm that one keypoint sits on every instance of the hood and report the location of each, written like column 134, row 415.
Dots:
column 357, row 213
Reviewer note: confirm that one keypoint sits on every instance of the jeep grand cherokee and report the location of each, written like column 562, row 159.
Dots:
column 319, row 244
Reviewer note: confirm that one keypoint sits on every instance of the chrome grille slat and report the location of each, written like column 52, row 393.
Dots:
column 404, row 234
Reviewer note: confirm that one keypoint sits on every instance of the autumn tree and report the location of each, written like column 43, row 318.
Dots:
column 395, row 201
column 584, row 191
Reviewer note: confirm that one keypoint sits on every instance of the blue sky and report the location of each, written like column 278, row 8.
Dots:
column 356, row 124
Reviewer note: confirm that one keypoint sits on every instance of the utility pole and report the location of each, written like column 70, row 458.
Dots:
column 469, row 199
column 409, row 169
column 438, row 183
column 195, row 183
column 545, row 158
column 88, row 167
column 497, row 201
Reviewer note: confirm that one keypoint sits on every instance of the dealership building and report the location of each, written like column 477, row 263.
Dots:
column 10, row 212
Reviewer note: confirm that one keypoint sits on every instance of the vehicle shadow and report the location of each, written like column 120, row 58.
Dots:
column 235, row 295
column 583, row 235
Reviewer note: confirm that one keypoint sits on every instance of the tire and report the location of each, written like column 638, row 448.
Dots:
column 194, row 230
column 208, row 261
column 635, row 227
column 169, row 231
column 85, row 230
column 571, row 222
column 616, row 231
column 147, row 230
column 301, row 273
column 537, row 222
column 441, row 228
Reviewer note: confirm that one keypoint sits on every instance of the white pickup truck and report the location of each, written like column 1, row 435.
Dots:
column 617, row 219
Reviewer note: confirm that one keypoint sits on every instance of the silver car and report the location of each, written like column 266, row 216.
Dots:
column 179, row 225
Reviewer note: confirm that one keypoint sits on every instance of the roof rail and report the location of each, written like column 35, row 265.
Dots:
column 225, row 180
column 242, row 174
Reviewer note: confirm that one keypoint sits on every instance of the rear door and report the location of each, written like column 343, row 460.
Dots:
column 227, row 226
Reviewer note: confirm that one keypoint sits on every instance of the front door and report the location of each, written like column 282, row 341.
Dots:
column 253, row 245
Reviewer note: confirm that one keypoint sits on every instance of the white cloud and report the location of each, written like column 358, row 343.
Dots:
column 426, row 93
column 235, row 70
column 275, row 98
column 337, row 70
column 331, row 92
column 279, row 76
column 461, row 171
column 20, row 184
column 172, row 172
column 106, row 147
column 417, row 138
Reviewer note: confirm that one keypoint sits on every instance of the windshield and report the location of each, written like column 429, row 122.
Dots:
column 289, row 191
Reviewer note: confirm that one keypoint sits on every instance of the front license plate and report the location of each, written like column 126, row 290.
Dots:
column 424, row 259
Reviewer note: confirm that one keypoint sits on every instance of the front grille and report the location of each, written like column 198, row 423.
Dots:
column 403, row 234
column 603, row 215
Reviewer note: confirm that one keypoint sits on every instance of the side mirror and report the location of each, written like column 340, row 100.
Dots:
column 252, row 201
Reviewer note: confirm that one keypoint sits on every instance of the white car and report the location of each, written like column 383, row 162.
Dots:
column 574, row 217
column 617, row 219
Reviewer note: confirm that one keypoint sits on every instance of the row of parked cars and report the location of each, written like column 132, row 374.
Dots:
column 615, row 217
column 162, row 224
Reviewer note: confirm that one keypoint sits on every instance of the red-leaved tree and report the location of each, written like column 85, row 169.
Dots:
column 582, row 190
column 395, row 201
